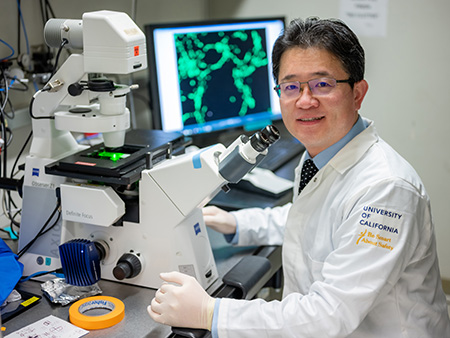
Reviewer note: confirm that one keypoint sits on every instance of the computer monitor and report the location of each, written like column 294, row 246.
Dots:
column 207, row 77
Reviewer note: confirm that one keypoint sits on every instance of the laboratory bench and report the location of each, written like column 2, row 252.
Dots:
column 137, row 323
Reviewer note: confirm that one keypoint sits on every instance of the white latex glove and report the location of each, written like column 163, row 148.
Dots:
column 182, row 305
column 219, row 220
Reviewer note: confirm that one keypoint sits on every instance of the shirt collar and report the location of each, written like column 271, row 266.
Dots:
column 324, row 156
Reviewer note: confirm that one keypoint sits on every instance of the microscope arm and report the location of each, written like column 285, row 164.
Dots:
column 49, row 142
column 56, row 93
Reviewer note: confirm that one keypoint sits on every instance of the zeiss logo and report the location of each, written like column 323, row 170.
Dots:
column 35, row 172
column 197, row 228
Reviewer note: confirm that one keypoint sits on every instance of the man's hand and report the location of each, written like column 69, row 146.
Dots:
column 219, row 220
column 183, row 305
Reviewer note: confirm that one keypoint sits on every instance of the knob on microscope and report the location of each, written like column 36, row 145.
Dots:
column 128, row 266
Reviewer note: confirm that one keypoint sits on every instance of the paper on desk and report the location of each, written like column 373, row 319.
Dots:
column 50, row 326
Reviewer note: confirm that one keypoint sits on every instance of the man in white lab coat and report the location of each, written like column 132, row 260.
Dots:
column 359, row 250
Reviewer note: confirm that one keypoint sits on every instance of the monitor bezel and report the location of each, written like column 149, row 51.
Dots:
column 153, row 86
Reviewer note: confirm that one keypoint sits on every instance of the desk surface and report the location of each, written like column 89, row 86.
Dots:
column 137, row 323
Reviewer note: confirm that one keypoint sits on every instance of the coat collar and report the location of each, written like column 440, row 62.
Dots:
column 345, row 158
column 355, row 149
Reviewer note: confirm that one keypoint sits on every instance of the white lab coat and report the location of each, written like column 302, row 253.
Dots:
column 359, row 254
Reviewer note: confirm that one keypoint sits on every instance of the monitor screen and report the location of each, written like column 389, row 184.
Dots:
column 211, row 76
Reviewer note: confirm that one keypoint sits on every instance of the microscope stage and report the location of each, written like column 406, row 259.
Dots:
column 121, row 165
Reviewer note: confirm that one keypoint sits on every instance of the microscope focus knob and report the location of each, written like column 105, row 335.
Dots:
column 128, row 266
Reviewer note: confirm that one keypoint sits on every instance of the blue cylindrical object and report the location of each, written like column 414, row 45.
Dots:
column 80, row 262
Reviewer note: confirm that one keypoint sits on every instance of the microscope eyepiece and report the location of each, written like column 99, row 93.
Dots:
column 264, row 138
column 272, row 133
column 259, row 141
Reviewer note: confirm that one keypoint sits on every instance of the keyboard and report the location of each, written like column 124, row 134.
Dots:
column 281, row 152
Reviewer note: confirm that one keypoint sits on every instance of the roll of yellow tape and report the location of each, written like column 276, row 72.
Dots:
column 78, row 318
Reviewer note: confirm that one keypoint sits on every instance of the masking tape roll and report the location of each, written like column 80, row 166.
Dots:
column 78, row 318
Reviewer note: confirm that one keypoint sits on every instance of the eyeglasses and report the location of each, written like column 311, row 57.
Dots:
column 321, row 86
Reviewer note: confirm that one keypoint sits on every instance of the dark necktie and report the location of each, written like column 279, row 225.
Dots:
column 309, row 169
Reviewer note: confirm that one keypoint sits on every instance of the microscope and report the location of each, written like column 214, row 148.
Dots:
column 129, row 209
column 77, row 98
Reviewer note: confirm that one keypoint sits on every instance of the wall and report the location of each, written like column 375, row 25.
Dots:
column 408, row 76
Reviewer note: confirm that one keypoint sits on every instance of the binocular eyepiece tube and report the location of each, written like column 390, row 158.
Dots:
column 262, row 139
column 244, row 154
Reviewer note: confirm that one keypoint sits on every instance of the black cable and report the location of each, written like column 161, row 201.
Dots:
column 10, row 138
column 7, row 204
column 3, row 230
column 53, row 225
column 61, row 46
column 20, row 153
column 14, row 222
column 49, row 7
column 25, row 86
column 17, row 80
column 44, row 17
column 42, row 231
column 38, row 117
column 12, row 217
column 11, row 114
